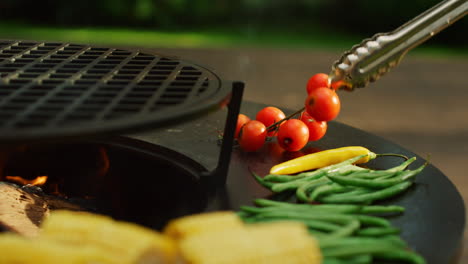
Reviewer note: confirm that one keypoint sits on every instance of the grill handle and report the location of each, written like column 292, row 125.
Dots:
column 374, row 57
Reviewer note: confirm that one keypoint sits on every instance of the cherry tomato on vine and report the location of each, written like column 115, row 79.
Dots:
column 241, row 120
column 323, row 104
column 293, row 135
column 270, row 115
column 252, row 135
column 317, row 129
column 319, row 80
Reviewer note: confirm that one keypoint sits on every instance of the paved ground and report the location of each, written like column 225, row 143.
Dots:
column 421, row 104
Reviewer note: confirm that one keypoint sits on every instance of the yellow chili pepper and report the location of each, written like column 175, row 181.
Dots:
column 322, row 159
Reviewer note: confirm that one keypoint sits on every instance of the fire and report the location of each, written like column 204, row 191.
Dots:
column 39, row 181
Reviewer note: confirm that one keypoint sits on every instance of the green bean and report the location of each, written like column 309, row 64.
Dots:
column 403, row 165
column 361, row 259
column 368, row 197
column 396, row 240
column 373, row 174
column 336, row 208
column 373, row 184
column 266, row 203
column 309, row 223
column 301, row 192
column 343, row 163
column 324, row 216
column 280, row 187
column 309, row 208
column 363, row 248
column 253, row 210
column 249, row 219
column 379, row 209
column 347, row 169
column 347, row 230
column 242, row 214
column 262, row 182
column 368, row 220
column 352, row 241
column 378, row 231
column 281, row 178
column 407, row 174
column 401, row 255
column 381, row 182
column 321, row 225
column 355, row 191
column 385, row 177
column 327, row 189
column 317, row 234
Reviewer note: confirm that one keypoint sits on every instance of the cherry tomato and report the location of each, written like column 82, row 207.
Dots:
column 337, row 85
column 323, row 104
column 293, row 135
column 241, row 120
column 252, row 135
column 270, row 115
column 317, row 129
column 319, row 80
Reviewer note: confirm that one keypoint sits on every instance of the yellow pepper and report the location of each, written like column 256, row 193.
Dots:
column 322, row 159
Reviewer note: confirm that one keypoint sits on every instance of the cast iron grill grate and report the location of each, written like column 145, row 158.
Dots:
column 62, row 89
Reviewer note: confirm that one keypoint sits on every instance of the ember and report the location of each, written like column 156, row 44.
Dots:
column 123, row 181
column 62, row 170
column 39, row 181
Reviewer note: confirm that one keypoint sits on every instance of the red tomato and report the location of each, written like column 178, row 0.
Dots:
column 337, row 85
column 317, row 129
column 323, row 104
column 252, row 135
column 319, row 80
column 270, row 115
column 293, row 135
column 241, row 120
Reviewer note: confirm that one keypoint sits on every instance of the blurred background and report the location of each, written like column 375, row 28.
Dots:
column 274, row 46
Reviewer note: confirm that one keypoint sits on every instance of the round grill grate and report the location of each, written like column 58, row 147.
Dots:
column 62, row 89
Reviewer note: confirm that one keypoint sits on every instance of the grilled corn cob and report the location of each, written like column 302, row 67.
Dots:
column 128, row 243
column 271, row 243
column 201, row 223
column 18, row 249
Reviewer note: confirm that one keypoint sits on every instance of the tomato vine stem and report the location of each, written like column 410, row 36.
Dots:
column 274, row 126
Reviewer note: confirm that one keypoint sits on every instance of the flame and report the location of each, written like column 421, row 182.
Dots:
column 39, row 181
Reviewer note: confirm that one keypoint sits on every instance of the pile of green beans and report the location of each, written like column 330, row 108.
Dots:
column 339, row 210
column 347, row 233
column 344, row 183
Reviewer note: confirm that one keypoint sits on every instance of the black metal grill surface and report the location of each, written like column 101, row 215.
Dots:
column 62, row 89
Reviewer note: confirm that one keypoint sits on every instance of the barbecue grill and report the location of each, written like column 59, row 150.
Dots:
column 60, row 98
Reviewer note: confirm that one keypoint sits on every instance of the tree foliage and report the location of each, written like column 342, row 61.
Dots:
column 364, row 17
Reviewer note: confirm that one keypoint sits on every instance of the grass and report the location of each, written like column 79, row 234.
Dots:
column 314, row 38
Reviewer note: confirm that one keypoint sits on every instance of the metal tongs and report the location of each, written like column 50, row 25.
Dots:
column 372, row 58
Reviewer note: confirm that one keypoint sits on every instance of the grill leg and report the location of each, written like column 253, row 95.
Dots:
column 217, row 178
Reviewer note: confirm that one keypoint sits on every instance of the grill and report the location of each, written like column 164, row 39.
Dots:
column 62, row 100
column 56, row 90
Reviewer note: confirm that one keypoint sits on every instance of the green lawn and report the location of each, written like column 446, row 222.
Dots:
column 223, row 38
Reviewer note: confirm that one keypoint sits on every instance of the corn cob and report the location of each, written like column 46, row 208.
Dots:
column 279, row 242
column 18, row 249
column 201, row 223
column 128, row 243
